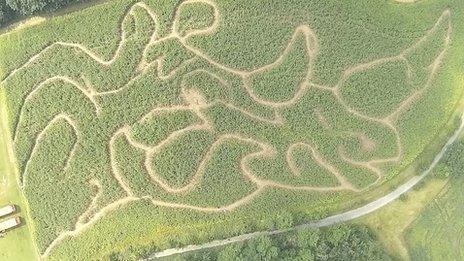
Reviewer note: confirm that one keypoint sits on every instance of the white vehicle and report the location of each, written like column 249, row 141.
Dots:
column 9, row 223
column 6, row 210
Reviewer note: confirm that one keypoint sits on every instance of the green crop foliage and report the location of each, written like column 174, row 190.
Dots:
column 281, row 82
column 181, row 158
column 366, row 89
column 161, row 124
column 193, row 16
column 157, row 128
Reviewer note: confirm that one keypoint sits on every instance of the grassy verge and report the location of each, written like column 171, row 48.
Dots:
column 390, row 222
column 417, row 226
column 17, row 244
column 428, row 237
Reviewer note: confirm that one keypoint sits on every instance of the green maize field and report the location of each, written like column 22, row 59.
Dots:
column 140, row 126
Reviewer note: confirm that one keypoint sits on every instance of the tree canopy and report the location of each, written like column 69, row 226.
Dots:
column 344, row 242
column 10, row 9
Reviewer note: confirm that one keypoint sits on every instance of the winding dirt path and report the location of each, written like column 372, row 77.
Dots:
column 31, row 95
column 57, row 118
column 319, row 160
column 81, row 227
column 328, row 221
column 194, row 102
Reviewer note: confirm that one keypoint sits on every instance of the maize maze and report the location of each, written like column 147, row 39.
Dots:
column 162, row 121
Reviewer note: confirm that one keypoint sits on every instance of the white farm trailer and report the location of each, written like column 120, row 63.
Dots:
column 9, row 223
column 6, row 210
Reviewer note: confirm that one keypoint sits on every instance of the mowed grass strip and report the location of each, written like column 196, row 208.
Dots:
column 16, row 244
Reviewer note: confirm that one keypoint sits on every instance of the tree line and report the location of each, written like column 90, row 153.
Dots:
column 342, row 242
column 13, row 9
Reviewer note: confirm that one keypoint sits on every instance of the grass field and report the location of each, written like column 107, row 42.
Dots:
column 391, row 222
column 428, row 237
column 172, row 123
column 419, row 225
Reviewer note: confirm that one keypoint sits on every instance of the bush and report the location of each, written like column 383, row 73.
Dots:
column 10, row 9
column 345, row 242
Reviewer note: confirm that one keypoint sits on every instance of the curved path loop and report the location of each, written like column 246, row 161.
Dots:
column 328, row 221
column 57, row 118
column 196, row 103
